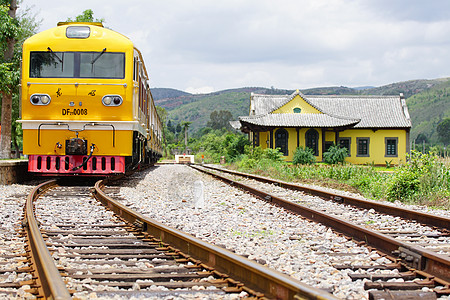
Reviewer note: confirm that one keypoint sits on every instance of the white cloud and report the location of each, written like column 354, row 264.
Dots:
column 200, row 90
column 200, row 44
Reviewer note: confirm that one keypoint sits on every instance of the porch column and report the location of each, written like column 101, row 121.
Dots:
column 323, row 142
column 253, row 138
column 271, row 138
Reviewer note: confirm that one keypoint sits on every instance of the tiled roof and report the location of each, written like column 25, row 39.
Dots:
column 263, row 104
column 372, row 111
column 235, row 124
column 297, row 120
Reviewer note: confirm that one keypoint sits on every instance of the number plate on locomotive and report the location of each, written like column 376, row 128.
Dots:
column 74, row 112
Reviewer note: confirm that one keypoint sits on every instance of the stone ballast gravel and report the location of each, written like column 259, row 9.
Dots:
column 11, row 212
column 250, row 227
column 368, row 218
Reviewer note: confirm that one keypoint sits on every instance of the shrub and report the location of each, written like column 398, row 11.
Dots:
column 335, row 155
column 422, row 178
column 403, row 185
column 273, row 155
column 303, row 156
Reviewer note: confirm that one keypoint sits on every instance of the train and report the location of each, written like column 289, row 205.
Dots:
column 86, row 105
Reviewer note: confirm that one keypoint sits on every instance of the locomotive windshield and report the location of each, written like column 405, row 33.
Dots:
column 49, row 64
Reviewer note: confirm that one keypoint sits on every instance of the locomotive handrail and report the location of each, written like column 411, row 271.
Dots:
column 76, row 130
column 75, row 83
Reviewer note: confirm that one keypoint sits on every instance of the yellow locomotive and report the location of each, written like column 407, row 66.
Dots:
column 86, row 105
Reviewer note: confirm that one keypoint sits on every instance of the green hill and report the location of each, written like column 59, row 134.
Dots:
column 428, row 102
column 428, row 108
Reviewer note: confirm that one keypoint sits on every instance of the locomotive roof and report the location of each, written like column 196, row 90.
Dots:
column 98, row 39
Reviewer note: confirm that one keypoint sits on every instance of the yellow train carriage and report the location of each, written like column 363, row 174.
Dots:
column 85, row 102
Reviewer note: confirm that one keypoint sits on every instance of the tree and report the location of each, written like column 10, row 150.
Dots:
column 185, row 125
column 443, row 130
column 13, row 32
column 421, row 138
column 178, row 128
column 162, row 113
column 170, row 127
column 86, row 16
column 220, row 119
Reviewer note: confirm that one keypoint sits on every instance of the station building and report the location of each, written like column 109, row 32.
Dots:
column 374, row 129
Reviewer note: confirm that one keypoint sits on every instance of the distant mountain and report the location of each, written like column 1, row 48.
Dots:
column 408, row 88
column 428, row 102
column 161, row 93
column 363, row 87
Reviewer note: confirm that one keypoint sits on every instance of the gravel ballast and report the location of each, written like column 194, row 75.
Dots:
column 232, row 219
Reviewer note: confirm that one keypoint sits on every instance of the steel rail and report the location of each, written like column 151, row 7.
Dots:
column 262, row 279
column 424, row 218
column 413, row 256
column 50, row 282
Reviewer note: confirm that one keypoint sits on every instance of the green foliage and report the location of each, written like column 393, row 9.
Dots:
column 335, row 155
column 220, row 119
column 422, row 179
column 258, row 158
column 388, row 163
column 9, row 67
column 443, row 130
column 428, row 108
column 235, row 145
column 304, row 156
column 7, row 77
column 86, row 16
column 198, row 108
column 9, row 27
column 403, row 185
column 217, row 143
column 13, row 32
column 273, row 154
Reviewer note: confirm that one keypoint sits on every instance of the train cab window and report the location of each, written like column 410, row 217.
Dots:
column 102, row 65
column 49, row 64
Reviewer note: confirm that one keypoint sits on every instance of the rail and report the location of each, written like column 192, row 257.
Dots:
column 50, row 282
column 420, row 217
column 272, row 283
column 414, row 256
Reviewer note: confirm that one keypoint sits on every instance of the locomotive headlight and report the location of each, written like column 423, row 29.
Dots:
column 107, row 100
column 40, row 99
column 35, row 99
column 112, row 100
column 117, row 100
column 45, row 99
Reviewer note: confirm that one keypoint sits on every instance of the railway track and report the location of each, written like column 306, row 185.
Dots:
column 406, row 249
column 87, row 250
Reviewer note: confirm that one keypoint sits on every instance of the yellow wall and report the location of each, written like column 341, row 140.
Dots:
column 298, row 101
column 377, row 147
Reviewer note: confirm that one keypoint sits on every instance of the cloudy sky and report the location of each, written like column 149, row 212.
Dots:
column 211, row 45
